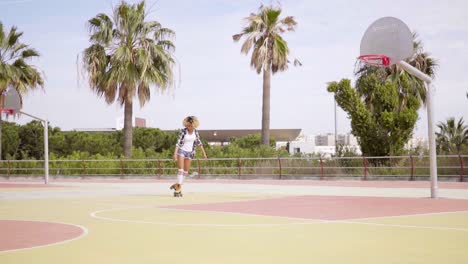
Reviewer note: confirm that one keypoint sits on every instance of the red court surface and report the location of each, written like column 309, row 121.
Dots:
column 27, row 234
column 334, row 207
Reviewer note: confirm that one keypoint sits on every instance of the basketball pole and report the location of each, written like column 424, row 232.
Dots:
column 46, row 145
column 336, row 133
column 430, row 123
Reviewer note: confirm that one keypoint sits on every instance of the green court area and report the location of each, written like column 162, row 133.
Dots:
column 233, row 222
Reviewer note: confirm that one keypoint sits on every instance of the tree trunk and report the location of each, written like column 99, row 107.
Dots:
column 128, row 129
column 266, row 106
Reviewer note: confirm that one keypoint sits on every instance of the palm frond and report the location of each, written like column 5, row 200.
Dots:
column 144, row 93
column 271, row 16
column 289, row 22
column 237, row 37
column 13, row 37
column 164, row 34
column 248, row 43
column 29, row 53
column 101, row 29
column 2, row 33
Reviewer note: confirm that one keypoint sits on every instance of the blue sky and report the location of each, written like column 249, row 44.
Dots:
column 216, row 82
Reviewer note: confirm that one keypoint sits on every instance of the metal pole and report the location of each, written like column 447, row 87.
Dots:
column 430, row 123
column 432, row 144
column 336, row 133
column 46, row 151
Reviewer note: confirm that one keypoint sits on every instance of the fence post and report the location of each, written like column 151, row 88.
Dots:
column 160, row 169
column 279, row 163
column 121, row 169
column 462, row 173
column 321, row 169
column 9, row 168
column 365, row 167
column 198, row 168
column 84, row 169
column 239, row 166
column 412, row 168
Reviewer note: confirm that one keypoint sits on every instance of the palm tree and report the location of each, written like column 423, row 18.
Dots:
column 15, row 71
column 407, row 83
column 128, row 55
column 452, row 137
column 270, row 51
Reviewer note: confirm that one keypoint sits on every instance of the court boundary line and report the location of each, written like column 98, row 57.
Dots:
column 95, row 215
column 84, row 229
column 242, row 214
column 410, row 215
column 406, row 226
column 311, row 221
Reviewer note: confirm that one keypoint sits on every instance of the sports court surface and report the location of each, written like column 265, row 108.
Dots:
column 232, row 221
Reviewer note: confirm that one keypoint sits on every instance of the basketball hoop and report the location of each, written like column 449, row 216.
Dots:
column 387, row 41
column 7, row 111
column 375, row 60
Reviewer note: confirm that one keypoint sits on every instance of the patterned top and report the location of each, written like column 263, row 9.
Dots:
column 180, row 140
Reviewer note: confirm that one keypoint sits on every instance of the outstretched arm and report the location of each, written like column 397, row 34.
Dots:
column 179, row 143
column 204, row 153
column 175, row 152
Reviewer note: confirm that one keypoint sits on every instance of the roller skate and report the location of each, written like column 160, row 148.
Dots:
column 177, row 189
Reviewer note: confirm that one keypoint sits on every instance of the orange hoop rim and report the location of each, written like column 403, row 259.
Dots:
column 8, row 111
column 375, row 59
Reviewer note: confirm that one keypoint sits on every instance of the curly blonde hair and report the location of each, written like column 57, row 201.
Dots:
column 191, row 120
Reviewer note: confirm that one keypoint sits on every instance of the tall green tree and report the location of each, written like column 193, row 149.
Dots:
column 15, row 70
column 269, row 51
column 452, row 136
column 32, row 140
column 11, row 140
column 128, row 55
column 381, row 127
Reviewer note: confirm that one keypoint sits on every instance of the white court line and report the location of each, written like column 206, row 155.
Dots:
column 85, row 232
column 241, row 214
column 405, row 226
column 95, row 215
column 101, row 203
column 409, row 215
column 315, row 221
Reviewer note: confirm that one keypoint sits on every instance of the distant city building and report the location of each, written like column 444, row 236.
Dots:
column 329, row 139
column 325, row 140
column 136, row 122
column 140, row 122
column 323, row 144
column 417, row 142
column 303, row 144
column 351, row 140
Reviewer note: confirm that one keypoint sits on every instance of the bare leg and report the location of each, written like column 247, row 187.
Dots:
column 187, row 164
column 180, row 172
column 180, row 162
